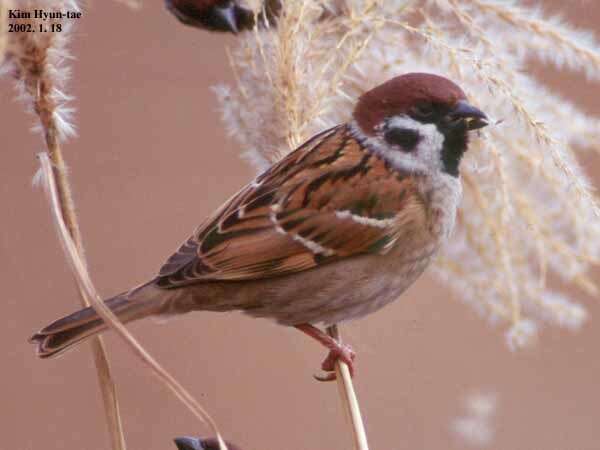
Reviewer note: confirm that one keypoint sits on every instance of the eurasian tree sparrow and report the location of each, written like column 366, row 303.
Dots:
column 335, row 230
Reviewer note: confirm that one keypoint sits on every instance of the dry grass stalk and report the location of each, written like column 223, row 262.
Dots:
column 4, row 7
column 529, row 215
column 349, row 399
column 86, row 286
column 36, row 60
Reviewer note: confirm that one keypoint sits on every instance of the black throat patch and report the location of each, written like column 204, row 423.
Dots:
column 455, row 145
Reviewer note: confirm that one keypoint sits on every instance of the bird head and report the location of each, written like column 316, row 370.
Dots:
column 418, row 122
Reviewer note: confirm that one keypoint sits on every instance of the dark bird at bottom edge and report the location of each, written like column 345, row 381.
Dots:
column 335, row 230
column 192, row 443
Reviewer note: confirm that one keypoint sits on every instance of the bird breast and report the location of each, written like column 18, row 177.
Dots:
column 443, row 194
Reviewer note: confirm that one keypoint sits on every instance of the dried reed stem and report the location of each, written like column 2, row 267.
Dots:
column 348, row 397
column 89, row 292
column 107, row 384
column 4, row 7
column 45, row 108
column 36, row 62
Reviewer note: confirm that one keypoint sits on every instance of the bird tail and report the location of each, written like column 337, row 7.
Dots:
column 63, row 333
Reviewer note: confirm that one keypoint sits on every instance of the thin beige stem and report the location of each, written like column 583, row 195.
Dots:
column 348, row 397
column 89, row 291
column 109, row 394
column 45, row 108
column 4, row 7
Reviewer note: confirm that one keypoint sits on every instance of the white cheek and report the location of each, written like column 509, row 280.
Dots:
column 427, row 155
column 429, row 148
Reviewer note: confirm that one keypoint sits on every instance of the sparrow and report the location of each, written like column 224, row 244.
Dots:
column 335, row 230
column 222, row 15
column 192, row 443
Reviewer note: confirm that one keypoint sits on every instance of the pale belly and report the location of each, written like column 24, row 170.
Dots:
column 335, row 293
column 360, row 299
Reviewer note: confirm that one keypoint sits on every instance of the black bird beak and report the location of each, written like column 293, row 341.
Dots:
column 473, row 117
column 226, row 16
column 188, row 443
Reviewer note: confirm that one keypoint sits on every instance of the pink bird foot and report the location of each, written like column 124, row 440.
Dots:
column 337, row 352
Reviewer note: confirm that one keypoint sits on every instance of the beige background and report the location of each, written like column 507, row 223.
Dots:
column 150, row 162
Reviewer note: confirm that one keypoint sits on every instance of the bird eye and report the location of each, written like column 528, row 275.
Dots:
column 405, row 138
column 424, row 111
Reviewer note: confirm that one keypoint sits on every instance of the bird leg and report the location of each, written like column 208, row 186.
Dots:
column 337, row 351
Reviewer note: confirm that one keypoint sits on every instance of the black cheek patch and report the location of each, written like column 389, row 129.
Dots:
column 405, row 138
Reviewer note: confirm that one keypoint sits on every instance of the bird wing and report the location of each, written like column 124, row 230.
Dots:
column 330, row 199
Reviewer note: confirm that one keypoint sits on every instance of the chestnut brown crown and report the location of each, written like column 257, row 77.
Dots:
column 402, row 95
